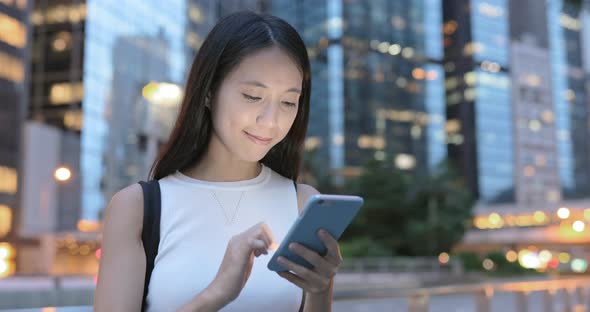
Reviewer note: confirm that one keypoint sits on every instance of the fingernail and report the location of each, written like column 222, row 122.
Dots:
column 292, row 247
column 323, row 232
column 281, row 260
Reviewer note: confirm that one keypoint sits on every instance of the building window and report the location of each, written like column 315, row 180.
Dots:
column 12, row 68
column 73, row 120
column 66, row 93
column 5, row 220
column 195, row 14
column 312, row 143
column 8, row 180
column 405, row 161
column 62, row 41
column 74, row 13
column 21, row 4
column 12, row 31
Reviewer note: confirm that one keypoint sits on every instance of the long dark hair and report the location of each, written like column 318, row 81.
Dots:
column 229, row 42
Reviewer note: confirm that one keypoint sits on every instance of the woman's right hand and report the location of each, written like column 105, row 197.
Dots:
column 237, row 262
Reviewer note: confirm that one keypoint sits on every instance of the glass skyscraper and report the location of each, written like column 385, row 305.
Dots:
column 516, row 89
column 93, row 60
column 14, row 79
column 377, row 82
column 153, row 32
column 570, row 98
column 478, row 98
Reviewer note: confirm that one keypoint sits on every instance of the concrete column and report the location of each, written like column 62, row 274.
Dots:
column 482, row 300
column 548, row 301
column 522, row 301
column 419, row 303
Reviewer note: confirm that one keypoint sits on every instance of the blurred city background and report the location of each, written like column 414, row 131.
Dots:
column 465, row 124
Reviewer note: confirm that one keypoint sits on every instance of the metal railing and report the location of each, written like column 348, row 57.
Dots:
column 400, row 264
column 575, row 293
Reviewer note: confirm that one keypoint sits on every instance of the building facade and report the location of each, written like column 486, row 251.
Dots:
column 14, row 79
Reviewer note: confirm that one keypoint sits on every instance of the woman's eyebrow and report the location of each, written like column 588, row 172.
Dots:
column 261, row 85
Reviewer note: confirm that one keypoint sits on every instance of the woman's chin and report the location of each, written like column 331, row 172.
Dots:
column 254, row 156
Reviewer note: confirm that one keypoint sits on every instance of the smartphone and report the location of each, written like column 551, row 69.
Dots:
column 332, row 213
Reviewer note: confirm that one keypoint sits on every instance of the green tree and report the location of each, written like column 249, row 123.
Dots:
column 441, row 206
column 381, row 219
column 407, row 215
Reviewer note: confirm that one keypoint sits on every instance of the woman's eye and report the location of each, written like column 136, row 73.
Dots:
column 250, row 98
column 289, row 103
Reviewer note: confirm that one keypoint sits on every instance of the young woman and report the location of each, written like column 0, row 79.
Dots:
column 227, row 179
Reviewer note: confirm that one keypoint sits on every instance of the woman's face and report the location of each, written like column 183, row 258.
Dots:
column 256, row 104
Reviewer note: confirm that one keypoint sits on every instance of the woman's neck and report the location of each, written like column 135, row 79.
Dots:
column 218, row 166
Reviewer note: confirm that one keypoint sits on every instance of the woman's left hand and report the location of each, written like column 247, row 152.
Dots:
column 318, row 279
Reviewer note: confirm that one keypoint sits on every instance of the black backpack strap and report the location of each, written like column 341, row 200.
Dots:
column 150, row 234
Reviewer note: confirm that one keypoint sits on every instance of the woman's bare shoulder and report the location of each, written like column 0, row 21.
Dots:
column 125, row 211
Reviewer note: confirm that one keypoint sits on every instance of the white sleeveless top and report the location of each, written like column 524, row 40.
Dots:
column 194, row 233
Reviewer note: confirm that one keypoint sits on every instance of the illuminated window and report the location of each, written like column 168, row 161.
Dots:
column 535, row 125
column 8, row 180
column 453, row 126
column 493, row 80
column 451, row 83
column 529, row 171
column 60, row 14
column 540, row 160
column 401, row 82
column 431, row 75
column 398, row 22
column 456, row 139
column 195, row 15
column 405, row 161
column 418, row 73
column 73, row 120
column 394, row 49
column 37, row 18
column 450, row 27
column 416, row 131
column 570, row 22
column 547, row 116
column 569, row 95
column 490, row 66
column 12, row 31
column 383, row 47
column 472, row 48
column 193, row 40
column 367, row 141
column 338, row 139
column 312, row 143
column 454, row 98
column 379, row 155
column 66, row 93
column 21, row 4
column 407, row 52
column 5, row 220
column 490, row 10
column 62, row 41
column 12, row 68
column 396, row 115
